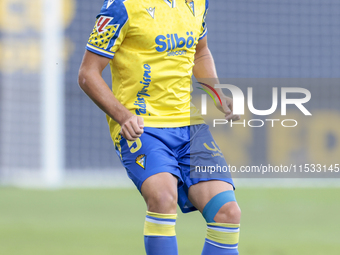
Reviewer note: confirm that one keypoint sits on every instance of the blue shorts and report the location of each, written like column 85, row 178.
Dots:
column 179, row 151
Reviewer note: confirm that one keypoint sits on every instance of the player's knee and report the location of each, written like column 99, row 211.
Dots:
column 229, row 213
column 162, row 201
column 222, row 208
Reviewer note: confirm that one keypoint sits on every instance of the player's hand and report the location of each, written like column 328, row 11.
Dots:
column 227, row 108
column 132, row 128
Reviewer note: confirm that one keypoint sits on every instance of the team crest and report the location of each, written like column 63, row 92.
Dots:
column 141, row 161
column 103, row 32
column 191, row 5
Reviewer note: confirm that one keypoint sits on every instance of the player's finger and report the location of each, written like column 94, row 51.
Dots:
column 140, row 121
column 231, row 116
column 129, row 131
column 131, row 128
column 228, row 117
column 226, row 109
column 127, row 137
column 136, row 128
column 122, row 132
column 236, row 117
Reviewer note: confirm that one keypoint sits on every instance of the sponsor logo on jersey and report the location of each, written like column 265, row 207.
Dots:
column 140, row 102
column 173, row 42
column 141, row 160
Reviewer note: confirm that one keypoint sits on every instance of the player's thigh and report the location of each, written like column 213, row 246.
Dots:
column 147, row 156
column 160, row 193
column 210, row 187
column 153, row 168
column 205, row 153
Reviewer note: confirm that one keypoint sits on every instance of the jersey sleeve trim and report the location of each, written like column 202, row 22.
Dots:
column 204, row 34
column 99, row 51
column 204, row 24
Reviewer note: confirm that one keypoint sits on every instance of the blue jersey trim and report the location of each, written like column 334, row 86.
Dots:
column 99, row 51
column 204, row 35
column 204, row 24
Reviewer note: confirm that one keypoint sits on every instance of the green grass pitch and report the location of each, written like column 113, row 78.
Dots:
column 101, row 222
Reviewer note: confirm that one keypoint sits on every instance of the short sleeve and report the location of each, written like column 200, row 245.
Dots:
column 204, row 29
column 110, row 29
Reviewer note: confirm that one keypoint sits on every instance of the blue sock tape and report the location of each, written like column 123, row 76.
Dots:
column 214, row 205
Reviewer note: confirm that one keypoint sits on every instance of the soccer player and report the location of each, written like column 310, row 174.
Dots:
column 154, row 47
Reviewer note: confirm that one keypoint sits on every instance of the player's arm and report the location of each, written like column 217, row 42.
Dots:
column 205, row 72
column 91, row 82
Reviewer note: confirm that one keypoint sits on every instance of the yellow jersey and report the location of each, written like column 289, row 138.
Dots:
column 151, row 44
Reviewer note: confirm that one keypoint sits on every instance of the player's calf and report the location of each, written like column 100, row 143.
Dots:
column 159, row 227
column 222, row 215
column 160, row 194
column 159, row 234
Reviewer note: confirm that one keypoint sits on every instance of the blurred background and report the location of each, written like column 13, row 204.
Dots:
column 62, row 187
